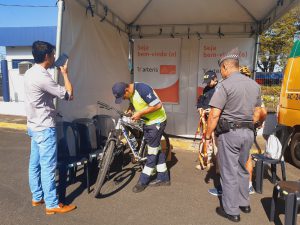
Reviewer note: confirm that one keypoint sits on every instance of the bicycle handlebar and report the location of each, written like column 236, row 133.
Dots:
column 108, row 107
column 122, row 114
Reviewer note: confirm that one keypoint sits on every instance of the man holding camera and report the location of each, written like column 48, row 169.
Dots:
column 40, row 91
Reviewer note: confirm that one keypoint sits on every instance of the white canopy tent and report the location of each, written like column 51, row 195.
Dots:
column 97, row 36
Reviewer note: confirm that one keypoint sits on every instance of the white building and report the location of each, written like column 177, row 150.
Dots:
column 17, row 42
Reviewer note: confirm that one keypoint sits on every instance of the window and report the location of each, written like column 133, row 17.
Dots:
column 15, row 62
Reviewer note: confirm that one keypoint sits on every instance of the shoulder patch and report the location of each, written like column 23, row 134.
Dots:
column 149, row 96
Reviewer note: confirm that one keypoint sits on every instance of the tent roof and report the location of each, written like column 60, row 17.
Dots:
column 189, row 12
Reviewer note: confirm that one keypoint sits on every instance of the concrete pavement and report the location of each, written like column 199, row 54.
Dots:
column 186, row 201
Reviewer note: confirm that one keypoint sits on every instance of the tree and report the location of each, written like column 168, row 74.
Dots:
column 277, row 41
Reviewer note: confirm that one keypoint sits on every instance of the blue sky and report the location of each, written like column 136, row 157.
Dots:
column 28, row 16
column 18, row 16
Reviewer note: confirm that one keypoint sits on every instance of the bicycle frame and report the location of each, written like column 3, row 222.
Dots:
column 122, row 128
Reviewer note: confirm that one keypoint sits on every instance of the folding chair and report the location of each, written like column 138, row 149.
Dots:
column 284, row 135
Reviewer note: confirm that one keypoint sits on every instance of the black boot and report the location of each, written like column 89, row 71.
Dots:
column 139, row 187
column 220, row 211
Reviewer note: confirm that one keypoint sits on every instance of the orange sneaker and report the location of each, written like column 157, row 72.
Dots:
column 34, row 203
column 60, row 209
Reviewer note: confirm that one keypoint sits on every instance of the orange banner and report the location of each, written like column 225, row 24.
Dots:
column 167, row 69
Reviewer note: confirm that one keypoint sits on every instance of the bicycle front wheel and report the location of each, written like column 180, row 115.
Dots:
column 104, row 166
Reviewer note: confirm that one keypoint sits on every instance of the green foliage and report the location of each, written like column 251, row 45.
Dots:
column 270, row 96
column 277, row 41
column 271, row 90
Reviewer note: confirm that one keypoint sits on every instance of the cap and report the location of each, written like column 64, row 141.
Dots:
column 232, row 54
column 208, row 76
column 118, row 90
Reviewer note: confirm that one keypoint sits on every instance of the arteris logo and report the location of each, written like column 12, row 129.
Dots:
column 147, row 69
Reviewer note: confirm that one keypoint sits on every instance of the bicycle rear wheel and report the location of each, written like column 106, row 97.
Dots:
column 104, row 166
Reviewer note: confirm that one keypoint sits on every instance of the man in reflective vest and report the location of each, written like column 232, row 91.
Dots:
column 145, row 103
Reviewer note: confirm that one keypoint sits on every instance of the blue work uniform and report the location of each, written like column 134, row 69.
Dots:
column 143, row 97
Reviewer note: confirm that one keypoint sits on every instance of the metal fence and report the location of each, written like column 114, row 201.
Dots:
column 270, row 88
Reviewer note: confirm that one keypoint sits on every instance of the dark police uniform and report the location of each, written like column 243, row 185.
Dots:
column 204, row 99
column 236, row 96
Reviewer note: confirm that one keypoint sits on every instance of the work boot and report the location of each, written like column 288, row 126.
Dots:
column 60, row 209
column 139, row 187
column 157, row 183
column 37, row 203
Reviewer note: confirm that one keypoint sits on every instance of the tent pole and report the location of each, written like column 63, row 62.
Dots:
column 255, row 55
column 60, row 5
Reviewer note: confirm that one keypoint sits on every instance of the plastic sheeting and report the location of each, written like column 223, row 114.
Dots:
column 98, row 57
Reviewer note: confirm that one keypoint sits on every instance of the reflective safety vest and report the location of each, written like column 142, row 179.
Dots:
column 139, row 104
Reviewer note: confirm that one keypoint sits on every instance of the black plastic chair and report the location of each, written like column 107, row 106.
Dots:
column 68, row 155
column 284, row 135
column 88, row 141
column 290, row 191
column 104, row 124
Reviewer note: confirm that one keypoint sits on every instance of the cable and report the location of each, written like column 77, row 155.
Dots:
column 29, row 6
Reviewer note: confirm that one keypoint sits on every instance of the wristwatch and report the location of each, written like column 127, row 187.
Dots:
column 207, row 138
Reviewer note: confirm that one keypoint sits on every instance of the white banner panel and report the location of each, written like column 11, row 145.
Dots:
column 211, row 50
column 98, row 57
column 156, row 62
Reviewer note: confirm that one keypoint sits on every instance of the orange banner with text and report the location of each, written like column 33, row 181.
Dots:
column 156, row 63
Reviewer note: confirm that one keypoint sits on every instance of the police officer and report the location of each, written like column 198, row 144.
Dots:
column 146, row 104
column 211, row 80
column 231, row 117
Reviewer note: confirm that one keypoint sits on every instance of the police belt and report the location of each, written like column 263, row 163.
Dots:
column 239, row 125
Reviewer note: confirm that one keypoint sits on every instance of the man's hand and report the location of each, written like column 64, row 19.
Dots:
column 129, row 112
column 213, row 119
column 136, row 116
column 207, row 142
column 64, row 69
column 64, row 72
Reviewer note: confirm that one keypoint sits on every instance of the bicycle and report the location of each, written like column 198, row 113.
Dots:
column 133, row 133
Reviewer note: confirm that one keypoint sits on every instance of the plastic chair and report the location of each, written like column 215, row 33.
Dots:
column 87, row 134
column 284, row 135
column 104, row 124
column 290, row 191
column 68, row 156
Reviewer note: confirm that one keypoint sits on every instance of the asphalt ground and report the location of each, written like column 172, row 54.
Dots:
column 185, row 202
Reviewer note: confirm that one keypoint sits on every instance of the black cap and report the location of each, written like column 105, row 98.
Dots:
column 232, row 54
column 118, row 91
column 208, row 76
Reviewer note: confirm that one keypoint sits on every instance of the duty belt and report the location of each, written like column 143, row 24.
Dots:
column 239, row 125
